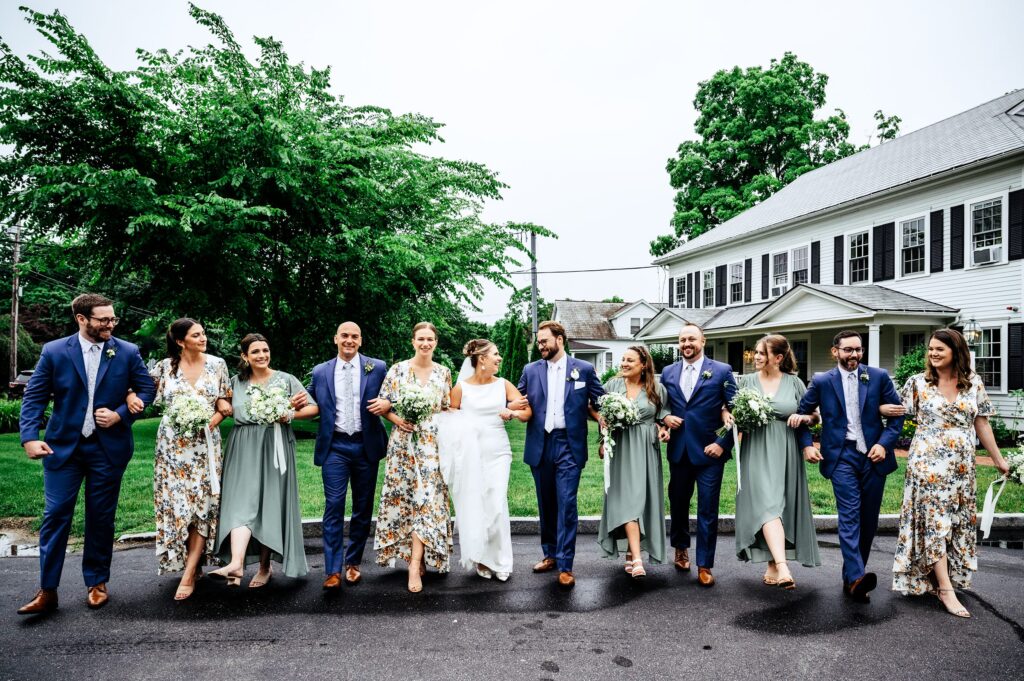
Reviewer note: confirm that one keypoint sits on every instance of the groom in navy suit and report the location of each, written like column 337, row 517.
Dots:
column 350, row 443
column 698, row 389
column 856, row 451
column 560, row 390
column 88, row 437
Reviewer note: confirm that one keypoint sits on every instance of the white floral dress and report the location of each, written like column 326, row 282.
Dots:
column 938, row 516
column 414, row 497
column 181, row 470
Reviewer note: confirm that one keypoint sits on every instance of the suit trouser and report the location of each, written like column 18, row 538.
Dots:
column 60, row 489
column 858, row 489
column 557, row 479
column 347, row 462
column 683, row 476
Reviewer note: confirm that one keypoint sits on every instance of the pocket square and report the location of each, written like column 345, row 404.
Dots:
column 580, row 384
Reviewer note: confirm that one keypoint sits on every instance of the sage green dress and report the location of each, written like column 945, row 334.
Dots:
column 774, row 481
column 636, row 491
column 255, row 492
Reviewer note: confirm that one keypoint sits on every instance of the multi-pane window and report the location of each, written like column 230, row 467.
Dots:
column 608, row 360
column 912, row 246
column 988, row 358
column 909, row 341
column 800, row 353
column 801, row 265
column 634, row 325
column 709, row 288
column 859, row 249
column 680, row 292
column 736, row 282
column 987, row 223
column 780, row 269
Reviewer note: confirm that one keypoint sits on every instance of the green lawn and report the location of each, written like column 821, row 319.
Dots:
column 21, row 483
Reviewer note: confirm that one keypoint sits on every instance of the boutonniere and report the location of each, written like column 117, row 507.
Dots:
column 368, row 368
column 705, row 375
column 575, row 375
column 111, row 352
column 864, row 378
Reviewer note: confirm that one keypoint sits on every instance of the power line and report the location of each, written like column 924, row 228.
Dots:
column 76, row 290
column 596, row 269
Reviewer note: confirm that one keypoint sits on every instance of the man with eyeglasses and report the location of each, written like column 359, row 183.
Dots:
column 88, row 437
column 856, row 451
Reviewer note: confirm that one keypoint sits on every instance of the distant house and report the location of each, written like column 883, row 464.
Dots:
column 599, row 332
column 920, row 232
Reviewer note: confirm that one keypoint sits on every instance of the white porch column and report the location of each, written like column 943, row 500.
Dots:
column 874, row 346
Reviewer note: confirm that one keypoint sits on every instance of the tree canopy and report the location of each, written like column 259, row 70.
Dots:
column 757, row 133
column 241, row 192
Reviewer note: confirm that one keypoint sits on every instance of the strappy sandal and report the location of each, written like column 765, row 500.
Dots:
column 787, row 583
column 629, row 563
column 961, row 612
column 231, row 578
column 257, row 583
column 637, row 571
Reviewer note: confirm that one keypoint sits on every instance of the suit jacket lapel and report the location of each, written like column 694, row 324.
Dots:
column 362, row 378
column 836, row 379
column 699, row 379
column 104, row 361
column 332, row 366
column 569, row 382
column 75, row 354
column 862, row 389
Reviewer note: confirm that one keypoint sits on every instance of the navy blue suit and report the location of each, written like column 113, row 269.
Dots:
column 689, row 466
column 99, row 459
column 348, row 458
column 557, row 458
column 857, row 482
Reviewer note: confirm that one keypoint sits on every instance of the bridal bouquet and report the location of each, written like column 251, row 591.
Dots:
column 752, row 409
column 1016, row 463
column 415, row 403
column 189, row 414
column 618, row 411
column 269, row 404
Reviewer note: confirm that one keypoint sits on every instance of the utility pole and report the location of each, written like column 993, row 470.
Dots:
column 533, row 281
column 14, row 231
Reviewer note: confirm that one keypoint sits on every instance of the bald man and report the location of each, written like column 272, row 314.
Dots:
column 350, row 443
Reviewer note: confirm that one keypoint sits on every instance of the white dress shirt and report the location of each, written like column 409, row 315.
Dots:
column 694, row 375
column 851, row 392
column 555, row 417
column 340, row 402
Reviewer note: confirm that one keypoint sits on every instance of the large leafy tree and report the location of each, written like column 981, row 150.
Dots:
column 243, row 193
column 757, row 133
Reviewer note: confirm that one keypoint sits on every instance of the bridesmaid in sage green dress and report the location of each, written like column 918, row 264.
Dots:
column 774, row 522
column 633, row 519
column 259, row 507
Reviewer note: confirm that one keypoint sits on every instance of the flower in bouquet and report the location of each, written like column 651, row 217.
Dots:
column 752, row 409
column 618, row 411
column 1016, row 463
column 416, row 403
column 188, row 414
column 269, row 404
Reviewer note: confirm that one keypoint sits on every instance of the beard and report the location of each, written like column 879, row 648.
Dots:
column 545, row 352
column 98, row 334
column 850, row 363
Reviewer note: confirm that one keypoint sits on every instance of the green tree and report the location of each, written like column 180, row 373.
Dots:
column 757, row 132
column 613, row 299
column 242, row 193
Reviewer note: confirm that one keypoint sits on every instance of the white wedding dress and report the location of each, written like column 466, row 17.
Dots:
column 475, row 457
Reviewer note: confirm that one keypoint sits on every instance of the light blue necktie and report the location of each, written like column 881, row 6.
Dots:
column 346, row 399
column 92, row 365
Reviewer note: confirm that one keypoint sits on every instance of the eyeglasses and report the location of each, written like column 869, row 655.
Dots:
column 851, row 351
column 105, row 321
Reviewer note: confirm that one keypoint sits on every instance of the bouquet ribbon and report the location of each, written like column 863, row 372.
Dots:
column 607, row 465
column 280, row 462
column 211, row 462
column 989, row 509
column 736, row 442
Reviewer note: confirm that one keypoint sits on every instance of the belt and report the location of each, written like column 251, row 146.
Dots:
column 354, row 437
column 554, row 430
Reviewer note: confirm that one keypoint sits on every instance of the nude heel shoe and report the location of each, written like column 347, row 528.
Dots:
column 415, row 576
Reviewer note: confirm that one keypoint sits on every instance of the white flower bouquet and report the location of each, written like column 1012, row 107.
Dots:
column 752, row 409
column 415, row 403
column 618, row 411
column 1016, row 463
column 1016, row 475
column 269, row 404
column 188, row 414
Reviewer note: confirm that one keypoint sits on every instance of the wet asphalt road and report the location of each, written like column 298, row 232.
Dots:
column 463, row 627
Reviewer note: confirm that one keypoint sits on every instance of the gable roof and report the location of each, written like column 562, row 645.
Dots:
column 987, row 131
column 591, row 319
column 880, row 299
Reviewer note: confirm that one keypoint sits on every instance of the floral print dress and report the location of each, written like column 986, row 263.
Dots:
column 414, row 497
column 938, row 515
column 182, row 492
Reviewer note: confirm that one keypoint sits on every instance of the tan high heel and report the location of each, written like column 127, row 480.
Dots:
column 637, row 571
column 961, row 612
column 231, row 578
column 629, row 563
column 787, row 583
column 415, row 576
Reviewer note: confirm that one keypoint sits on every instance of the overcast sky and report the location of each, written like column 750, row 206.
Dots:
column 578, row 105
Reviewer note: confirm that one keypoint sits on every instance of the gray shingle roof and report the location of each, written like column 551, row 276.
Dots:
column 983, row 132
column 880, row 299
column 735, row 316
column 588, row 319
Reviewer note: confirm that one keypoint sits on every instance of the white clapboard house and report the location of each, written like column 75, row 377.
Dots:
column 599, row 332
column 923, row 231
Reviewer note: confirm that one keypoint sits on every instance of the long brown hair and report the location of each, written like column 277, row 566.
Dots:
column 777, row 344
column 953, row 340
column 244, row 370
column 177, row 331
column 647, row 375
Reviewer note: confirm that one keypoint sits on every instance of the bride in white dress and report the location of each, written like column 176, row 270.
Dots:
column 475, row 457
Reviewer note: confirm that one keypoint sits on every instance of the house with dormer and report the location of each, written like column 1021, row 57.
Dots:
column 598, row 331
column 917, row 233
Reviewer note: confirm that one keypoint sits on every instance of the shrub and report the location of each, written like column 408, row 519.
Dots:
column 1004, row 436
column 815, row 431
column 907, row 434
column 908, row 365
column 10, row 414
column 609, row 374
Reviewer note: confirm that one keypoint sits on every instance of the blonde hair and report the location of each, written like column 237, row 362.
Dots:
column 477, row 348
column 424, row 325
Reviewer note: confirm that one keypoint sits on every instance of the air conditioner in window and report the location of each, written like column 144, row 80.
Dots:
column 989, row 255
column 778, row 291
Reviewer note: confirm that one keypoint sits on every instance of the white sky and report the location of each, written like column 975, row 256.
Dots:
column 578, row 105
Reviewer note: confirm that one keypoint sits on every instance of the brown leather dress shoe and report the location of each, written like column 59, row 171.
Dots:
column 546, row 565
column 333, row 581
column 352, row 575
column 97, row 596
column 858, row 589
column 44, row 601
column 705, row 577
column 566, row 580
column 682, row 560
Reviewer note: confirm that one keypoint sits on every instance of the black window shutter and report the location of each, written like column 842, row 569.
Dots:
column 698, row 294
column 720, row 283
column 956, row 237
column 689, row 290
column 1016, row 225
column 936, row 227
column 877, row 253
column 671, row 291
column 815, row 262
column 838, row 259
column 889, row 250
column 764, row 277
column 1015, row 358
column 747, row 265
